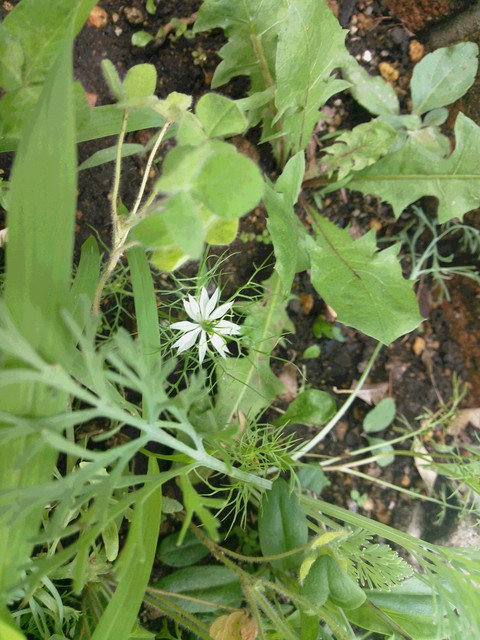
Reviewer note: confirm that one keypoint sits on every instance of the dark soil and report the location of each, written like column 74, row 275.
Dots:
column 417, row 368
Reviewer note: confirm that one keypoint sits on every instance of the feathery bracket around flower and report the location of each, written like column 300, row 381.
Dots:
column 207, row 325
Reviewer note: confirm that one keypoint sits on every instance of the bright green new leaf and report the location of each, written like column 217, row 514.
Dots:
column 140, row 81
column 361, row 147
column 309, row 407
column 443, row 76
column 220, row 116
column 365, row 287
column 412, row 172
column 380, row 417
column 215, row 584
column 184, row 555
column 282, row 524
column 217, row 230
column 372, row 92
column 310, row 44
column 174, row 107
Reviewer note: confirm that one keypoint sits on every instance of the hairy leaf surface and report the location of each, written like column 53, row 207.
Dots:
column 413, row 172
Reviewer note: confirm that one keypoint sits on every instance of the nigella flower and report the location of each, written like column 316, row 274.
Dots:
column 207, row 325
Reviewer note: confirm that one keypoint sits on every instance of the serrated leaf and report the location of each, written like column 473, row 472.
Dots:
column 309, row 46
column 282, row 524
column 443, row 76
column 372, row 92
column 365, row 287
column 282, row 223
column 361, row 147
column 412, row 172
column 220, row 116
column 140, row 81
column 309, row 407
column 218, row 585
column 252, row 30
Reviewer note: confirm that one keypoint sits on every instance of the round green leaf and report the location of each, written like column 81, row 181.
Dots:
column 380, row 417
column 140, row 81
column 220, row 116
column 309, row 407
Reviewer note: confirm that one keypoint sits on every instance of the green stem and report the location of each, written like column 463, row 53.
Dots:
column 151, row 158
column 341, row 412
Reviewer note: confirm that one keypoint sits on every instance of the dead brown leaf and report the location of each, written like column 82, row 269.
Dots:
column 288, row 376
column 369, row 393
column 235, row 626
column 463, row 419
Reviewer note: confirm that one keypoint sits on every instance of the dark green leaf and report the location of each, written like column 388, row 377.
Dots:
column 185, row 555
column 309, row 407
column 282, row 524
column 217, row 585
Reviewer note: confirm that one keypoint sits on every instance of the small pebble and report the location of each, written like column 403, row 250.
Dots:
column 98, row 18
column 415, row 50
column 367, row 56
column 133, row 15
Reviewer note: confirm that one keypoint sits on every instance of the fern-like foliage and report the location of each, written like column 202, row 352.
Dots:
column 377, row 566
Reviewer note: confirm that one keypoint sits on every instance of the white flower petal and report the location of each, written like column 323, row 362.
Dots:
column 187, row 340
column 227, row 328
column 192, row 308
column 211, row 304
column 203, row 303
column 202, row 347
column 184, row 325
column 219, row 344
column 221, row 311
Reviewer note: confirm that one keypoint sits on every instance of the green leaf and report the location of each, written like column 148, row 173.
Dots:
column 120, row 616
column 315, row 585
column 282, row 223
column 218, row 585
column 252, row 31
column 174, row 107
column 212, row 172
column 113, row 79
column 410, row 606
column 109, row 155
column 372, row 92
column 312, row 352
column 309, row 45
column 218, row 231
column 313, row 477
column 361, row 147
column 380, row 417
column 183, row 221
column 32, row 34
column 413, row 172
column 365, row 287
column 443, row 76
column 141, row 38
column 140, row 81
column 386, row 449
column 184, row 555
column 344, row 591
column 282, row 524
column 309, row 407
column 220, row 116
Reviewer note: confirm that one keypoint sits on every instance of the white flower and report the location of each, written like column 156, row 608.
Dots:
column 207, row 325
